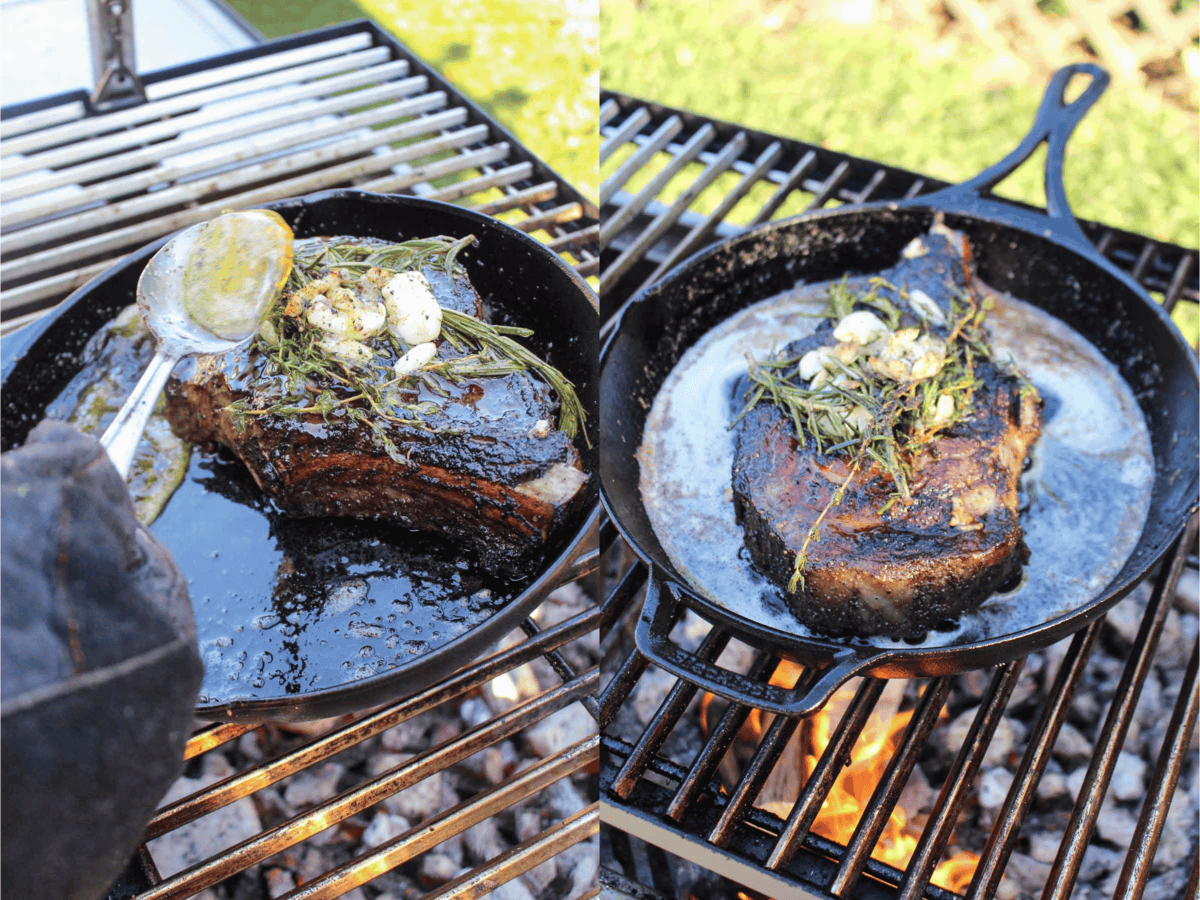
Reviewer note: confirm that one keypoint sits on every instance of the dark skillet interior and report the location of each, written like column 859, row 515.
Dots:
column 655, row 329
column 299, row 618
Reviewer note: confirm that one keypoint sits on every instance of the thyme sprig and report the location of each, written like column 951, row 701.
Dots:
column 901, row 415
column 301, row 378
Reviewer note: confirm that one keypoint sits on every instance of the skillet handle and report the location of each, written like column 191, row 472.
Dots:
column 660, row 610
column 1054, row 124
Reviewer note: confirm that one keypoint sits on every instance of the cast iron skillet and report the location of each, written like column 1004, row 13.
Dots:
column 305, row 618
column 1042, row 259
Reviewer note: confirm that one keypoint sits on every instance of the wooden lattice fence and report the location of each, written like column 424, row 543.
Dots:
column 1151, row 44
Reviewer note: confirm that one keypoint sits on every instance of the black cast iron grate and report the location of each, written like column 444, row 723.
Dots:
column 679, row 804
column 344, row 106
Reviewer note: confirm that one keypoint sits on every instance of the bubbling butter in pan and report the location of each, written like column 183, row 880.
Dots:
column 1084, row 496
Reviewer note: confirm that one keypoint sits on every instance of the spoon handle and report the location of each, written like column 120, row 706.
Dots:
column 123, row 435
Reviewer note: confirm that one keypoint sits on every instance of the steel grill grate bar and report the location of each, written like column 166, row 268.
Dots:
column 702, row 230
column 539, row 193
column 1136, row 870
column 254, row 145
column 243, row 120
column 498, row 179
column 314, row 151
column 70, row 163
column 568, row 212
column 1143, row 261
column 794, row 178
column 862, row 181
column 826, row 190
column 560, row 666
column 575, row 239
column 23, row 122
column 887, row 793
column 554, row 840
column 234, row 788
column 453, row 821
column 624, row 132
column 835, row 755
column 653, row 144
column 672, row 709
column 1179, row 278
column 1066, row 866
column 1004, row 835
column 769, row 749
column 214, row 736
column 936, row 833
column 628, row 211
column 428, row 171
column 620, row 598
column 704, row 766
column 42, row 118
column 608, row 109
column 668, row 217
column 140, row 233
column 743, row 860
column 918, row 187
column 148, row 112
column 208, row 76
column 620, row 686
column 873, row 185
column 300, row 828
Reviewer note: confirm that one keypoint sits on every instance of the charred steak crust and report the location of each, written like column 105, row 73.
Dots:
column 482, row 468
column 903, row 570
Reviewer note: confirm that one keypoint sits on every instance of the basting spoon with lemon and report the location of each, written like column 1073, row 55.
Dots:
column 205, row 291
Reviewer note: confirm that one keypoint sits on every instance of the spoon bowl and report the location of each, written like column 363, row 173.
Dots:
column 205, row 291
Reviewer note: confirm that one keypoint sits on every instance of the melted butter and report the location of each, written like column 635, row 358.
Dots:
column 1084, row 498
column 113, row 361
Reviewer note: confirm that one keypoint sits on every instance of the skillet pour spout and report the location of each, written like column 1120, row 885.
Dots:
column 1040, row 258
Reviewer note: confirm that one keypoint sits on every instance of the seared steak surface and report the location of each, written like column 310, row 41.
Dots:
column 877, row 563
column 477, row 459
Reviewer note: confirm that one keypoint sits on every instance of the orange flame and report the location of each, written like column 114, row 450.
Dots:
column 852, row 790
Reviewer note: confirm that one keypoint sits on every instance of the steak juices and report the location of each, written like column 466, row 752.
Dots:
column 877, row 463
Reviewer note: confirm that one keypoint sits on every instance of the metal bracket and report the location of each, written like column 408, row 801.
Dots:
column 114, row 62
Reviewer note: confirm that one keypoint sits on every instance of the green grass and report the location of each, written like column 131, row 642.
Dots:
column 531, row 64
column 873, row 93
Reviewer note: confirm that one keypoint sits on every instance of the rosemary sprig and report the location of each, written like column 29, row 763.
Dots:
column 495, row 338
column 901, row 414
column 302, row 377
column 316, row 256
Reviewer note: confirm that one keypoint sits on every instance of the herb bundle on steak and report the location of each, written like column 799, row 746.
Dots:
column 877, row 462
column 375, row 389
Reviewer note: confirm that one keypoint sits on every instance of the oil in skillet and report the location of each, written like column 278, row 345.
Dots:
column 1084, row 497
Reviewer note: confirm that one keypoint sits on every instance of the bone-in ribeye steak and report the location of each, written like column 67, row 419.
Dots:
column 877, row 566
column 483, row 465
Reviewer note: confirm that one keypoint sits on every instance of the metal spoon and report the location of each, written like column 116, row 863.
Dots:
column 205, row 291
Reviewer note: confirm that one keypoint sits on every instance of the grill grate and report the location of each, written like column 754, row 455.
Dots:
column 143, row 879
column 345, row 106
column 645, row 229
column 657, row 162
